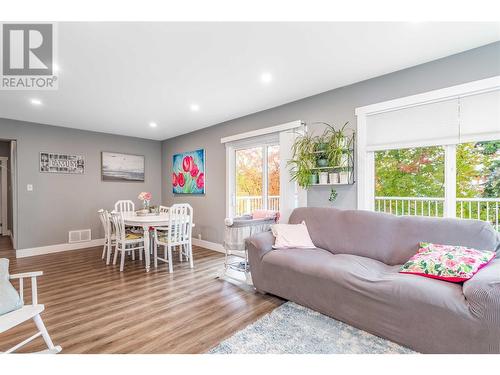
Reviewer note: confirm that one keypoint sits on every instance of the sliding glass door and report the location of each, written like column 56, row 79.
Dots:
column 257, row 178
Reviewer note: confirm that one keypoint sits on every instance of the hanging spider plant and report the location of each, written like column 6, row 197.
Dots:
column 303, row 159
column 336, row 143
column 307, row 150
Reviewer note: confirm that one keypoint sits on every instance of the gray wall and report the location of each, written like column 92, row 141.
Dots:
column 59, row 202
column 335, row 106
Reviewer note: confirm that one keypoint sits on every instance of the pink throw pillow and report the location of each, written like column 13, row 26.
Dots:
column 447, row 262
column 291, row 236
column 263, row 214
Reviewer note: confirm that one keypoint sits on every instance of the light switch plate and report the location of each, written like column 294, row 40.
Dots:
column 29, row 187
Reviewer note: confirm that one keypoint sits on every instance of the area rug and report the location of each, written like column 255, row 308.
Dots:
column 294, row 329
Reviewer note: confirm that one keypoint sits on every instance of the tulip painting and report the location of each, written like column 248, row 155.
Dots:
column 188, row 174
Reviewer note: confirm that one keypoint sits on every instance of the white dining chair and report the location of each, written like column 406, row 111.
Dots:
column 178, row 233
column 125, row 241
column 109, row 235
column 189, row 249
column 124, row 206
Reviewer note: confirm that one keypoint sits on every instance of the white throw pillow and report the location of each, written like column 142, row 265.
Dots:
column 291, row 236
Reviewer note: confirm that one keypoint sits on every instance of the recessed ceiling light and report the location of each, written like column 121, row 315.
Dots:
column 153, row 124
column 36, row 101
column 266, row 77
column 194, row 107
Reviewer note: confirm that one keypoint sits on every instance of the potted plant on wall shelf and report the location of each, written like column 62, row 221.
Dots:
column 320, row 149
column 303, row 161
column 323, row 178
column 325, row 158
column 344, row 176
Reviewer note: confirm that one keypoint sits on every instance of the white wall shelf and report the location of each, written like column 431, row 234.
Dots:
column 349, row 183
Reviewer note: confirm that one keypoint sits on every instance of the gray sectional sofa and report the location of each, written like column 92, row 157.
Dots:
column 353, row 276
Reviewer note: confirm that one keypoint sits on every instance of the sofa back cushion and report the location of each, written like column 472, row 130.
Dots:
column 387, row 238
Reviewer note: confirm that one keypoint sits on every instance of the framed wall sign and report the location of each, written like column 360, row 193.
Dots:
column 51, row 162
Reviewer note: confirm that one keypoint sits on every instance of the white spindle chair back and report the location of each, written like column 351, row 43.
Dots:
column 119, row 224
column 124, row 206
column 106, row 222
column 180, row 223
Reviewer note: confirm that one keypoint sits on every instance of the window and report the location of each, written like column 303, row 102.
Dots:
column 273, row 179
column 410, row 181
column 433, row 154
column 257, row 178
column 478, row 181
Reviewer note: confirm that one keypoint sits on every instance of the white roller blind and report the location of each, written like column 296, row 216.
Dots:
column 422, row 125
column 480, row 117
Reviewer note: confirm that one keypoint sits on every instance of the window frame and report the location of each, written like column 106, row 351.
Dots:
column 263, row 142
column 366, row 158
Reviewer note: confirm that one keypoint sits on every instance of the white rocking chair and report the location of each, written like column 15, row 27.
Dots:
column 27, row 312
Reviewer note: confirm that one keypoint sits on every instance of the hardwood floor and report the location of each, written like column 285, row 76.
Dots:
column 6, row 250
column 93, row 308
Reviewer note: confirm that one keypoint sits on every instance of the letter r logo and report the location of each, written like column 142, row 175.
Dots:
column 27, row 49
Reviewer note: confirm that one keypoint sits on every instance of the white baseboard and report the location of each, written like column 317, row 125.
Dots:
column 209, row 245
column 22, row 253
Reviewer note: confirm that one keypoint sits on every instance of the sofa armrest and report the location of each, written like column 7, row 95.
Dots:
column 260, row 244
column 482, row 292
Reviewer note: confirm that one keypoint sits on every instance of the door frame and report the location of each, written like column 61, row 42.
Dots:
column 4, row 204
column 264, row 142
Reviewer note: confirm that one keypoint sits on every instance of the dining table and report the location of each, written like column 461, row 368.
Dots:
column 146, row 222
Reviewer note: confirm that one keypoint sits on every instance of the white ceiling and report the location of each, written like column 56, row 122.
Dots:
column 119, row 77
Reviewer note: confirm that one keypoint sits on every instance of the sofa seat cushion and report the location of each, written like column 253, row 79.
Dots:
column 366, row 277
column 414, row 311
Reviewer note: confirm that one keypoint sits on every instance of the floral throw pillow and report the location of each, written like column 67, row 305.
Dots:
column 447, row 262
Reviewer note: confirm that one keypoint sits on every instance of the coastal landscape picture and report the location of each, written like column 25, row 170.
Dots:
column 122, row 167
column 188, row 175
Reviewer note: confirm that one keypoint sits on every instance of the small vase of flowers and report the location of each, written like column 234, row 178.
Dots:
column 145, row 197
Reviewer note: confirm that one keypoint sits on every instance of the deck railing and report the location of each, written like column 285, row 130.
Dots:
column 487, row 209
column 247, row 204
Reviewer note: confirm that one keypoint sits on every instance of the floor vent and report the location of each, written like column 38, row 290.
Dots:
column 79, row 235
